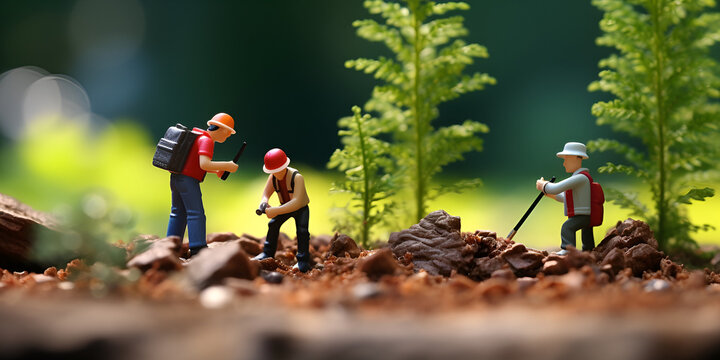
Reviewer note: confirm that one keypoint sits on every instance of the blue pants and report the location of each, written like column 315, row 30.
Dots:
column 572, row 225
column 302, row 219
column 187, row 209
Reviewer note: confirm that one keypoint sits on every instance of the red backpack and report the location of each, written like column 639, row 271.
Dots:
column 597, row 199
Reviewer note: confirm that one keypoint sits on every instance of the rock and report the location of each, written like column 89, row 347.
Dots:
column 522, row 261
column 272, row 277
column 220, row 237
column 212, row 265
column 251, row 247
column 616, row 259
column 555, row 267
column 484, row 267
column 19, row 224
column 380, row 263
column 342, row 244
column 641, row 258
column 162, row 255
column 436, row 245
column 577, row 259
column 505, row 274
column 624, row 235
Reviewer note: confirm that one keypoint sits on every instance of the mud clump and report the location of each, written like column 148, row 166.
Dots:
column 436, row 245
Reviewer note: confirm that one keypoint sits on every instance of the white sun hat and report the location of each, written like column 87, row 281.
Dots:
column 574, row 148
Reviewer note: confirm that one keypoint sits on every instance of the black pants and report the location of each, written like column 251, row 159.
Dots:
column 302, row 219
column 574, row 224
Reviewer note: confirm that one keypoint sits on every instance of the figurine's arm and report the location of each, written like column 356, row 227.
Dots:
column 267, row 192
column 567, row 184
column 300, row 199
column 215, row 166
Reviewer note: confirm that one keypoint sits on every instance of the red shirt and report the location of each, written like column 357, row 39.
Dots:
column 203, row 145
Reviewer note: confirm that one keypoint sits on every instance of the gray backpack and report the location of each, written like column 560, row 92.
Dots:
column 173, row 148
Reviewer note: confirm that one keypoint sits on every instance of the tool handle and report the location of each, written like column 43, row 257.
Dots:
column 527, row 213
column 235, row 160
column 261, row 210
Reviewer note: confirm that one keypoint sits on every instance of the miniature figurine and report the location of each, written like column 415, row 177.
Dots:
column 187, row 207
column 290, row 187
column 580, row 195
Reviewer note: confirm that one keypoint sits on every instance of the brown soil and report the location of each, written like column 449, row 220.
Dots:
column 481, row 296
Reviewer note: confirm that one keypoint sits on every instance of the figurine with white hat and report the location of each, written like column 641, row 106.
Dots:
column 290, row 187
column 574, row 192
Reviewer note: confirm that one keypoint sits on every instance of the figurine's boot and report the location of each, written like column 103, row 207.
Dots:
column 261, row 256
column 194, row 251
column 303, row 266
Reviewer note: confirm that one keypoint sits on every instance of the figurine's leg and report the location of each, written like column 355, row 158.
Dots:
column 567, row 233
column 588, row 238
column 271, row 239
column 302, row 221
column 192, row 198
column 178, row 214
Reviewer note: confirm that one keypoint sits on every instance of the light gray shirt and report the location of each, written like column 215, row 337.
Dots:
column 580, row 186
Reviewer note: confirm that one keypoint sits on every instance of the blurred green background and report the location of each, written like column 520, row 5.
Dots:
column 129, row 69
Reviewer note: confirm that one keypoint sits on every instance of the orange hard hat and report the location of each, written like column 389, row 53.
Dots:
column 275, row 161
column 223, row 120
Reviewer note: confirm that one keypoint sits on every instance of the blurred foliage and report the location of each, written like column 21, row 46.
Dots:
column 87, row 228
column 367, row 165
column 665, row 85
column 426, row 71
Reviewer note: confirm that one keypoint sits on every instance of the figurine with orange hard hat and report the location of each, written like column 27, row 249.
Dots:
column 187, row 207
column 290, row 187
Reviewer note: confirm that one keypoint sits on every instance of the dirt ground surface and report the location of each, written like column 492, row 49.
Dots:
column 431, row 293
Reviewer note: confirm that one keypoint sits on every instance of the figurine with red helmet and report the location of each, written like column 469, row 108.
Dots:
column 187, row 207
column 290, row 188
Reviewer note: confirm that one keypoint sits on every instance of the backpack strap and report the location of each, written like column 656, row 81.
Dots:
column 292, row 182
column 588, row 175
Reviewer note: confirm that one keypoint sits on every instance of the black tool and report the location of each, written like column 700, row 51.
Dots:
column 235, row 160
column 261, row 209
column 527, row 213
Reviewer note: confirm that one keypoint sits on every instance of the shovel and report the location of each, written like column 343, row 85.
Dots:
column 527, row 213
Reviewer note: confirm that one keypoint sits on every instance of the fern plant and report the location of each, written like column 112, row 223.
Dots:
column 665, row 85
column 427, row 70
column 367, row 167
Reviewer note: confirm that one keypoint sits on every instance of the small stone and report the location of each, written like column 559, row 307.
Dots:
column 162, row 254
column 555, row 267
column 212, row 265
column 251, row 247
column 656, row 285
column 272, row 277
column 342, row 244
column 382, row 262
column 216, row 297
column 66, row 285
column 365, row 291
column 522, row 261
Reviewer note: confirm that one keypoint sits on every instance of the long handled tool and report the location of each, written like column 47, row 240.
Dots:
column 235, row 160
column 527, row 213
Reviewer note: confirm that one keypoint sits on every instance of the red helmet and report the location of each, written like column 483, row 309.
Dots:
column 275, row 161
